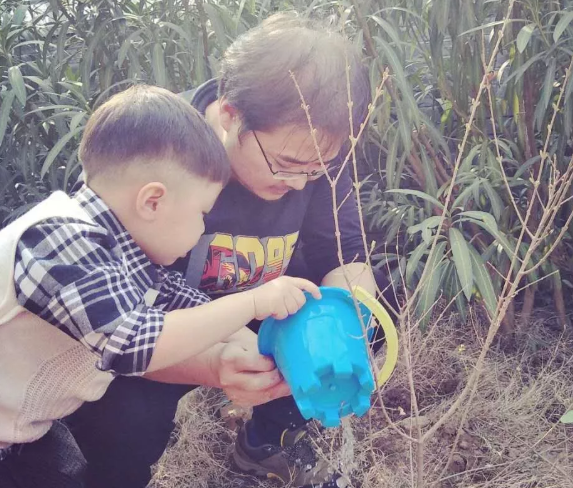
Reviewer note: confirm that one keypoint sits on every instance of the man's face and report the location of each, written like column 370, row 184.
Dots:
column 255, row 156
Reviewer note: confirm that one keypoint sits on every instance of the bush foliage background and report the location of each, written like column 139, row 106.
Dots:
column 60, row 59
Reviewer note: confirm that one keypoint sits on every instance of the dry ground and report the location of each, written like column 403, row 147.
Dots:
column 511, row 439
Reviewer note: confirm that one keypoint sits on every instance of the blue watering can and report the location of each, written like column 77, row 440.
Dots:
column 322, row 354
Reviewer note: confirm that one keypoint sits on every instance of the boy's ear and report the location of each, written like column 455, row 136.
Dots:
column 150, row 199
column 228, row 115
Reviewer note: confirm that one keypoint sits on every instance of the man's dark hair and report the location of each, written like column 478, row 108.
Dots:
column 148, row 125
column 255, row 76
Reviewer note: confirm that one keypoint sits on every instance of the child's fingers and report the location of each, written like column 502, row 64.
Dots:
column 291, row 303
column 281, row 312
column 308, row 286
column 298, row 297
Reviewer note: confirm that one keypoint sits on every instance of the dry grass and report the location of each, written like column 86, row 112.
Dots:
column 512, row 438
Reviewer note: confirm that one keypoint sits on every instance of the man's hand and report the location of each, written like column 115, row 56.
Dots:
column 282, row 297
column 247, row 377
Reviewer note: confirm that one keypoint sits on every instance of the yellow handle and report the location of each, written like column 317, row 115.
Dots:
column 389, row 331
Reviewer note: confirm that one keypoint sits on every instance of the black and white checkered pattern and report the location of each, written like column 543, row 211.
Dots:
column 91, row 282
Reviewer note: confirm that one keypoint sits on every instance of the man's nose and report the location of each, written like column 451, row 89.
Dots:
column 297, row 183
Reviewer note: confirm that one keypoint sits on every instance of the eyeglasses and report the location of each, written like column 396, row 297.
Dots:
column 292, row 175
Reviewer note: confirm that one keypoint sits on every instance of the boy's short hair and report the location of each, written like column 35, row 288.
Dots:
column 148, row 124
column 255, row 76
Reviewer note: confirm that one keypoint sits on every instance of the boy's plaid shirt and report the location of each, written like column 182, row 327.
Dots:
column 91, row 282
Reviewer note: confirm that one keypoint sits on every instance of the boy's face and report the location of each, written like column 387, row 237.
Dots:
column 256, row 155
column 178, row 222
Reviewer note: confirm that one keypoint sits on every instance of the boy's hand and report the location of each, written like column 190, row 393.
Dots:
column 282, row 297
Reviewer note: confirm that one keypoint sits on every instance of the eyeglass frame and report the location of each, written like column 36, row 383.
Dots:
column 290, row 175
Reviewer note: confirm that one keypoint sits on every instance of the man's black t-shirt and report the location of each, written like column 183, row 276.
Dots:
column 249, row 241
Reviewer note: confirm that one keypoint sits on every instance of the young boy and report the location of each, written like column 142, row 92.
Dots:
column 83, row 295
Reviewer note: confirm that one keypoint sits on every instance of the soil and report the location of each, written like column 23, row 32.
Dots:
column 511, row 436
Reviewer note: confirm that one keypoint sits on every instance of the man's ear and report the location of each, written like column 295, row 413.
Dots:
column 150, row 200
column 228, row 115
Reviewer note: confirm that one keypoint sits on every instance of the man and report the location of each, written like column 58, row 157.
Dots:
column 276, row 216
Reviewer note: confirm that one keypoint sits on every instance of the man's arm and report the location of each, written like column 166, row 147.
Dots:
column 247, row 377
column 200, row 369
column 358, row 274
column 318, row 236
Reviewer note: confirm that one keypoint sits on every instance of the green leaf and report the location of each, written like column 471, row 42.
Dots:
column 483, row 281
column 524, row 36
column 184, row 35
column 524, row 167
column 127, row 44
column 562, row 25
column 76, row 120
column 5, row 113
column 419, row 194
column 398, row 271
column 462, row 260
column 217, row 24
column 518, row 73
column 425, row 226
column 494, row 199
column 387, row 27
column 468, row 160
column 428, row 294
column 402, row 81
column 239, row 12
column 199, row 62
column 88, row 57
column 447, row 112
column 158, row 65
column 19, row 15
column 413, row 260
column 64, row 108
column 404, row 126
column 55, row 151
column 547, row 90
column 567, row 418
column 485, row 217
column 391, row 163
column 440, row 14
column 462, row 306
column 462, row 198
column 17, row 82
column 488, row 26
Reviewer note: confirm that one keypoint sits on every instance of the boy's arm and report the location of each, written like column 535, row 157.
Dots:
column 174, row 293
column 188, row 332
column 191, row 331
column 87, row 290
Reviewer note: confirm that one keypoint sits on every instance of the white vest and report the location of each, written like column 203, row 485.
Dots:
column 44, row 374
